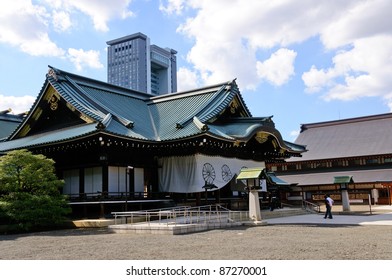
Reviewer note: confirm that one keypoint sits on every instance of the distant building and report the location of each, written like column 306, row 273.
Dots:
column 135, row 64
column 360, row 148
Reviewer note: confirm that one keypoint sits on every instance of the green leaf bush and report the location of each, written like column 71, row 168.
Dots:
column 30, row 197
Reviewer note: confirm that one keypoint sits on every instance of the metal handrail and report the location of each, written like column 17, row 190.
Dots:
column 184, row 215
column 309, row 206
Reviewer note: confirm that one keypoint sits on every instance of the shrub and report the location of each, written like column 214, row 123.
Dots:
column 30, row 191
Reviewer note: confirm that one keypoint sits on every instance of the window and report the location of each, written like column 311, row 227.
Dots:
column 372, row 161
column 357, row 161
column 339, row 163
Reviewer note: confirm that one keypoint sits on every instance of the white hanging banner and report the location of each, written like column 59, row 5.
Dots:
column 188, row 174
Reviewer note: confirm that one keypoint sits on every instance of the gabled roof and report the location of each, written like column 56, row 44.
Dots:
column 370, row 135
column 343, row 179
column 71, row 106
column 250, row 173
column 275, row 180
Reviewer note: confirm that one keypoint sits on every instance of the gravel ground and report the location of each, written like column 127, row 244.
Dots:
column 271, row 242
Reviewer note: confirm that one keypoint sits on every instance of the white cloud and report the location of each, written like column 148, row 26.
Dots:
column 388, row 99
column 18, row 104
column 231, row 37
column 41, row 46
column 187, row 79
column 81, row 58
column 61, row 21
column 315, row 79
column 28, row 24
column 278, row 68
column 101, row 11
column 232, row 34
column 363, row 20
column 223, row 62
column 55, row 4
column 172, row 7
column 25, row 26
column 294, row 134
column 362, row 71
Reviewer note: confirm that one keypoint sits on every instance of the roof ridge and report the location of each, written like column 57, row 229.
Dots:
column 175, row 95
column 102, row 107
column 346, row 121
column 90, row 82
column 201, row 110
column 89, row 104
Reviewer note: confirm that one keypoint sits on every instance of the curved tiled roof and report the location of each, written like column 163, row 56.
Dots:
column 140, row 116
column 52, row 137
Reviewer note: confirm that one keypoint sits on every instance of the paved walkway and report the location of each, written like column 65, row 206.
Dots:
column 359, row 215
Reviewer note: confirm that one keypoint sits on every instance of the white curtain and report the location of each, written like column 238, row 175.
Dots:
column 139, row 179
column 189, row 174
column 117, row 180
column 71, row 179
column 93, row 181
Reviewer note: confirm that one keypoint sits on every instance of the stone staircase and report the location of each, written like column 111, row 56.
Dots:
column 265, row 215
column 282, row 212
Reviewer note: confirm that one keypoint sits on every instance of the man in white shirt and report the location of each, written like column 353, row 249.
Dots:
column 328, row 205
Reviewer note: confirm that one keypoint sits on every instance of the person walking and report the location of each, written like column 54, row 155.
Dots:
column 328, row 205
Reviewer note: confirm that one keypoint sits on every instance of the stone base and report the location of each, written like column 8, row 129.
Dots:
column 255, row 223
column 170, row 229
column 92, row 223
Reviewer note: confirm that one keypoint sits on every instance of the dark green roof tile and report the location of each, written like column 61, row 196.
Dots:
column 140, row 116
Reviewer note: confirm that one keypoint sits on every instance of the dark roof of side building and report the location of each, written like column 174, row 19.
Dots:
column 362, row 136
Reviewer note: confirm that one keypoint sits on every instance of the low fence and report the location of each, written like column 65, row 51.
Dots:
column 183, row 215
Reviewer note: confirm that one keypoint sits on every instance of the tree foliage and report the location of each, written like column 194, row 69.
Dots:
column 30, row 191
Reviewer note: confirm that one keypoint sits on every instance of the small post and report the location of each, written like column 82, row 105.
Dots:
column 254, row 205
column 344, row 181
column 345, row 198
column 127, row 170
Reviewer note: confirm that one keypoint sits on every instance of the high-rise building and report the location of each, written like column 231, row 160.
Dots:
column 134, row 63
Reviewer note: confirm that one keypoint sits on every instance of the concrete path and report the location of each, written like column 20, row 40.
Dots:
column 382, row 215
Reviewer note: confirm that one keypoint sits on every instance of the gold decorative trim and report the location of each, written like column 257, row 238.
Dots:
column 24, row 130
column 233, row 106
column 53, row 101
column 86, row 118
column 261, row 137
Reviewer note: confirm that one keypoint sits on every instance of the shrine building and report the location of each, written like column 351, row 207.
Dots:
column 115, row 146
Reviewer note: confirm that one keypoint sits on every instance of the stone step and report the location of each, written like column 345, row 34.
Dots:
column 284, row 212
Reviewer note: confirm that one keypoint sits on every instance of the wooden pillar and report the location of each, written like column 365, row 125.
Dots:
column 198, row 199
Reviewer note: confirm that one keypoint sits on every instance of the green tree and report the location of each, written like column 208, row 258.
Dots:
column 30, row 191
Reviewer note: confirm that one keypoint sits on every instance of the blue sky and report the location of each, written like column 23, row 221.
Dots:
column 301, row 61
